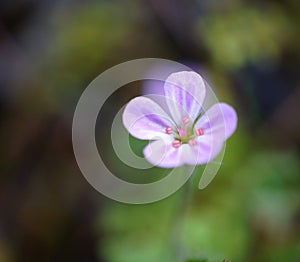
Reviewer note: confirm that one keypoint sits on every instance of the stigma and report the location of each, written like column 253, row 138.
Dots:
column 182, row 132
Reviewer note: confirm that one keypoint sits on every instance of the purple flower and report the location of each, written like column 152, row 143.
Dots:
column 186, row 136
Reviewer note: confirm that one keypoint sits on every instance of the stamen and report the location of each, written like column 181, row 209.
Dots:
column 192, row 142
column 182, row 132
column 169, row 130
column 199, row 132
column 185, row 120
column 176, row 143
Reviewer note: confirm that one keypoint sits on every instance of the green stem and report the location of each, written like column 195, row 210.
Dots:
column 177, row 247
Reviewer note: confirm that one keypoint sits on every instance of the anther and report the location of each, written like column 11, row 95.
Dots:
column 199, row 132
column 185, row 120
column 176, row 143
column 169, row 130
column 192, row 142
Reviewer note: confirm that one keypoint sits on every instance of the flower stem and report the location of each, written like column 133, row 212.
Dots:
column 177, row 247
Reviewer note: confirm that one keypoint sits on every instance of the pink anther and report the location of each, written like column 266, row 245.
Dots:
column 199, row 132
column 169, row 130
column 176, row 143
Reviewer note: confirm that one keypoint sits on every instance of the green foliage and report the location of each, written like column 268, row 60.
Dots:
column 254, row 191
column 85, row 42
column 250, row 212
column 242, row 35
column 197, row 260
column 137, row 233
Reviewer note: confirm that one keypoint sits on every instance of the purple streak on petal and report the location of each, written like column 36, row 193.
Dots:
column 204, row 146
column 156, row 119
column 189, row 102
column 144, row 119
column 220, row 120
column 185, row 93
column 162, row 154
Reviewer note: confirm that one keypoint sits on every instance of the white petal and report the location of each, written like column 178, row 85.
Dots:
column 162, row 153
column 144, row 119
column 220, row 120
column 203, row 152
column 185, row 93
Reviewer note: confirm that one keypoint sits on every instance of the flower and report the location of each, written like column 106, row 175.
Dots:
column 185, row 135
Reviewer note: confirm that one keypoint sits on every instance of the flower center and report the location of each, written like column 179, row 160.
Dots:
column 185, row 134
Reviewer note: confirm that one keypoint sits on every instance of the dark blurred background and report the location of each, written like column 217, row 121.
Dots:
column 51, row 50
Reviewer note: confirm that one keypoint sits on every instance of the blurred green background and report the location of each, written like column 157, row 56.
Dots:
column 51, row 50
